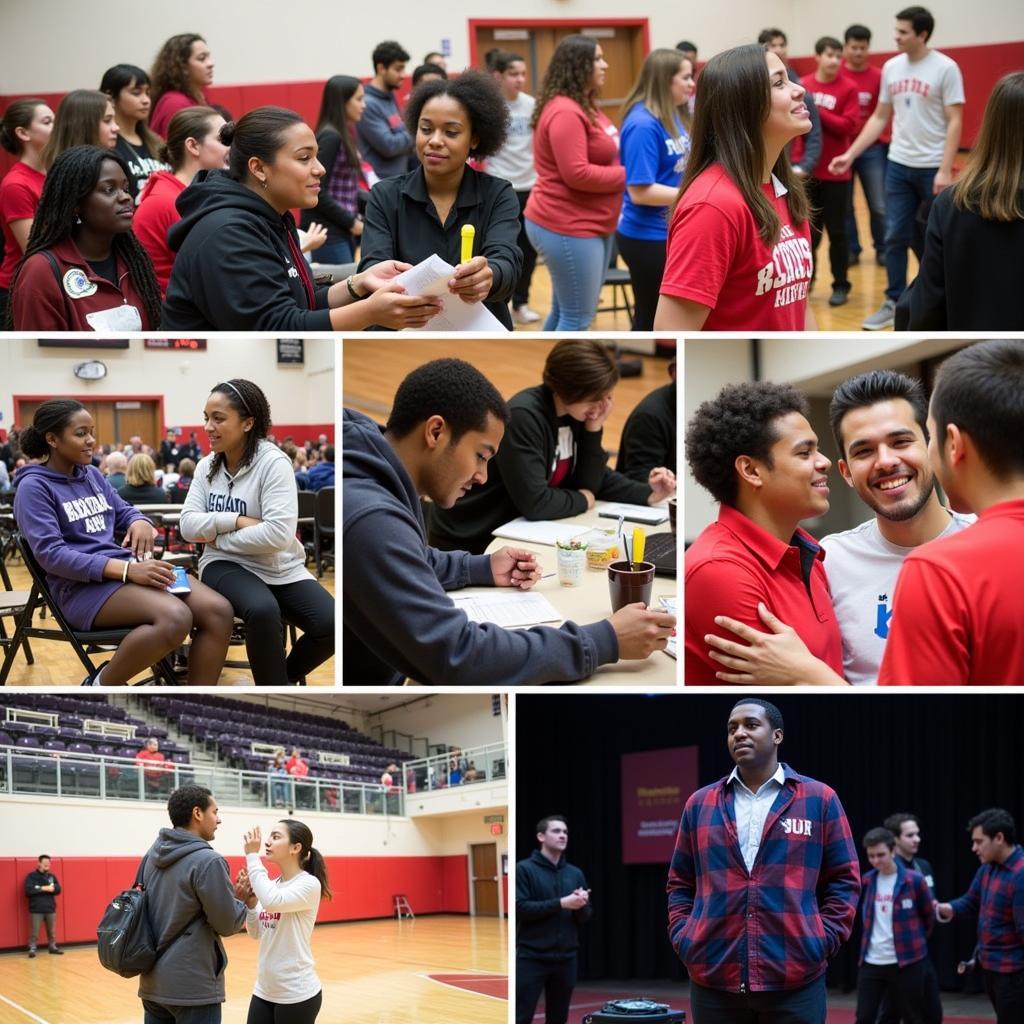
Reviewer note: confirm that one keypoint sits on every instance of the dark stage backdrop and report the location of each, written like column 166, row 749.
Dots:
column 944, row 758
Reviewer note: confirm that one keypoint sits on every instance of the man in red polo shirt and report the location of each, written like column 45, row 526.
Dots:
column 754, row 450
column 957, row 607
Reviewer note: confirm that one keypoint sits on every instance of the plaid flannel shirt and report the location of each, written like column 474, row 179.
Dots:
column 775, row 927
column 996, row 898
column 913, row 915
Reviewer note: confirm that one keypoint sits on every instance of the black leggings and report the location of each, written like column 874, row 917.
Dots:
column 521, row 293
column 646, row 262
column 305, row 605
column 262, row 1012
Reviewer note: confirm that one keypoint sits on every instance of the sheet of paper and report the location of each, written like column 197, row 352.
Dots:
column 431, row 277
column 649, row 514
column 538, row 531
column 507, row 609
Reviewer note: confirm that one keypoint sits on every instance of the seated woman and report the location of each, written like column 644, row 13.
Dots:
column 85, row 117
column 239, row 267
column 141, row 487
column 550, row 464
column 412, row 216
column 128, row 88
column 83, row 269
column 244, row 507
column 68, row 513
column 179, row 489
column 192, row 146
column 182, row 70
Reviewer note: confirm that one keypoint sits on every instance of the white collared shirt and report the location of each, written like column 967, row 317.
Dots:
column 752, row 811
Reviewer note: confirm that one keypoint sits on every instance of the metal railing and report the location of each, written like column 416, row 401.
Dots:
column 36, row 771
column 472, row 765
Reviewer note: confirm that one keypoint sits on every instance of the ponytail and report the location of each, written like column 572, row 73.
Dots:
column 317, row 867
column 311, row 859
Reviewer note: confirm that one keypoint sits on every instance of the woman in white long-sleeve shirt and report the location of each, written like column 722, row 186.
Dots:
column 243, row 505
column 281, row 916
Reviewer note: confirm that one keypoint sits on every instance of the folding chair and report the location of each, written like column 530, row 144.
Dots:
column 83, row 642
column 12, row 605
column 323, row 528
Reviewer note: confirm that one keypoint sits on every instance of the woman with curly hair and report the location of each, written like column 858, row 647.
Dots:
column 414, row 215
column 238, row 265
column 574, row 206
column 182, row 70
column 83, row 269
column 739, row 240
column 341, row 109
column 69, row 514
column 85, row 117
column 244, row 507
column 128, row 88
column 24, row 131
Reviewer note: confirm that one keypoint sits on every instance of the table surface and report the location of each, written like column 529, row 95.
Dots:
column 590, row 602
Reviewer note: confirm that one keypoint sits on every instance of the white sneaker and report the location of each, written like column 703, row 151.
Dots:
column 524, row 315
column 884, row 317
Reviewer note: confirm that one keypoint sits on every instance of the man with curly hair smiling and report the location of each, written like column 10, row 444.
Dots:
column 752, row 448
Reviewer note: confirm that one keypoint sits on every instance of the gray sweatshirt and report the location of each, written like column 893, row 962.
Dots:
column 183, row 875
column 265, row 490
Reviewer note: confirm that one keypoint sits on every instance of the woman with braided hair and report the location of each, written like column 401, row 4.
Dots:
column 69, row 514
column 243, row 506
column 83, row 269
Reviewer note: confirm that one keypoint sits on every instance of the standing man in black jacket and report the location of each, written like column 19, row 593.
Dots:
column 41, row 888
column 552, row 901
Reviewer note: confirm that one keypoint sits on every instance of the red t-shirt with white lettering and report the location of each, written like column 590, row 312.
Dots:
column 868, row 83
column 716, row 257
column 840, row 123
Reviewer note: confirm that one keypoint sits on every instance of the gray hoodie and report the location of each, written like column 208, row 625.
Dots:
column 184, row 875
column 265, row 490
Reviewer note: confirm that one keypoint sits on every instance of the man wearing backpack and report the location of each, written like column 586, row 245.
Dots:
column 184, row 877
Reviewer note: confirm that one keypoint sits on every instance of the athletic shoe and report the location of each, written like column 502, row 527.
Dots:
column 884, row 317
column 840, row 295
column 880, row 258
column 56, row 952
column 31, row 954
column 853, row 259
column 90, row 680
column 524, row 315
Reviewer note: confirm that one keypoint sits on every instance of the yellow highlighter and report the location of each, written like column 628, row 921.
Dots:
column 638, row 545
column 468, row 233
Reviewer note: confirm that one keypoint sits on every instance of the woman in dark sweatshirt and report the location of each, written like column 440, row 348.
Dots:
column 68, row 514
column 239, row 265
column 550, row 464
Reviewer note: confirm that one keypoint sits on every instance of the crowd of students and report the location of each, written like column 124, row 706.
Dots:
column 240, row 505
column 922, row 593
column 715, row 194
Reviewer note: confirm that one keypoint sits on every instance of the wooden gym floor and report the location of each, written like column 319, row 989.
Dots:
column 57, row 665
column 372, row 972
column 867, row 278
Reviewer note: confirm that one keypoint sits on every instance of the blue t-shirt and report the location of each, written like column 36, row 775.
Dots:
column 651, row 157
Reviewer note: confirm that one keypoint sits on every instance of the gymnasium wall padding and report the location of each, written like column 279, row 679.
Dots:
column 363, row 887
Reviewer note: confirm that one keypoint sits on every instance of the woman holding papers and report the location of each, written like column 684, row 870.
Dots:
column 550, row 464
column 243, row 506
column 420, row 214
column 239, row 266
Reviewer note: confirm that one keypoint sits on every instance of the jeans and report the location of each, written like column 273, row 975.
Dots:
column 908, row 200
column 577, row 267
column 334, row 252
column 264, row 608
column 158, row 1013
column 870, row 168
column 521, row 293
column 50, row 920
column 795, row 1006
column 555, row 978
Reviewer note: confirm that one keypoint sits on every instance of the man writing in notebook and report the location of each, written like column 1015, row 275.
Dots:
column 446, row 423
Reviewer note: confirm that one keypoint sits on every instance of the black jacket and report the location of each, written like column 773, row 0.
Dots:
column 402, row 224
column 235, row 269
column 397, row 619
column 41, row 902
column 649, row 436
column 970, row 277
column 517, row 477
column 544, row 931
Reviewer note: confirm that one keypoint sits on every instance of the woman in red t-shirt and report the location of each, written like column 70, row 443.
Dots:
column 24, row 131
column 181, row 71
column 573, row 210
column 193, row 145
column 739, row 253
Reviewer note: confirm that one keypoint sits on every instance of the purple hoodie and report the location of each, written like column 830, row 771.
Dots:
column 69, row 523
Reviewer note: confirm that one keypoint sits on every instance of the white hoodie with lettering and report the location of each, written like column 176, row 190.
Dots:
column 264, row 490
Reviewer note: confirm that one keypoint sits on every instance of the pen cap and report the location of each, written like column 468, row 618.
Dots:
column 468, row 234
